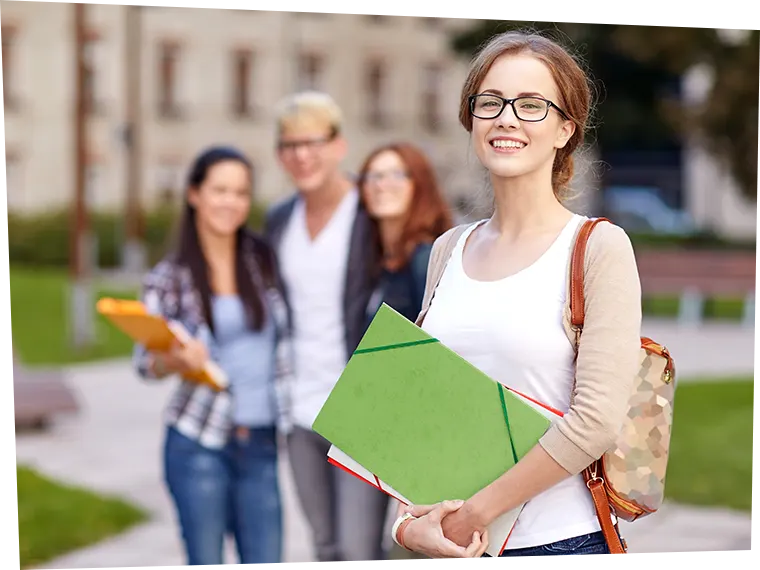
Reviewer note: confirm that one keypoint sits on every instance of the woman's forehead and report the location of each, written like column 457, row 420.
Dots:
column 519, row 75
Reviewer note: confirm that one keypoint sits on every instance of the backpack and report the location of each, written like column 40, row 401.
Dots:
column 628, row 481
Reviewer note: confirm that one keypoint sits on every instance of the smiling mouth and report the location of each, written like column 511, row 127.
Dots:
column 501, row 144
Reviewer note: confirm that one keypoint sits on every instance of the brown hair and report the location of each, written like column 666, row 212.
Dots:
column 572, row 82
column 428, row 215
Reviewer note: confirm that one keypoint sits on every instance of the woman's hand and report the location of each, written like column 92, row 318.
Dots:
column 425, row 534
column 460, row 526
column 182, row 359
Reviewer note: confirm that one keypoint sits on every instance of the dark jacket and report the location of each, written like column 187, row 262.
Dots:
column 359, row 282
column 402, row 290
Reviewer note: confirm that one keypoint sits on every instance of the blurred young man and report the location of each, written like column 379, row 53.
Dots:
column 322, row 237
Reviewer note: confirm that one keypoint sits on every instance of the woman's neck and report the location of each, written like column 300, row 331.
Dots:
column 391, row 231
column 217, row 249
column 525, row 206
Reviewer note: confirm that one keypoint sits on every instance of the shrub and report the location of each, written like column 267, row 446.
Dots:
column 43, row 240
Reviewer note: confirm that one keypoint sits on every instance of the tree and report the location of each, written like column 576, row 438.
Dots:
column 726, row 121
column 638, row 71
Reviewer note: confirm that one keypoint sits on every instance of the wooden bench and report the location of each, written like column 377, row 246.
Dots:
column 695, row 275
column 39, row 395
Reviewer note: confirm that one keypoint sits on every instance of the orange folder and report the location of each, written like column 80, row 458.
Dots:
column 156, row 334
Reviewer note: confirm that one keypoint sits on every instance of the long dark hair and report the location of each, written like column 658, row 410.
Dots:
column 189, row 250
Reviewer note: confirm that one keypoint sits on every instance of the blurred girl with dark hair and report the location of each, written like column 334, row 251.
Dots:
column 220, row 451
column 400, row 191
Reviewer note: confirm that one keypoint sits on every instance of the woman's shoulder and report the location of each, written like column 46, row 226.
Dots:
column 608, row 239
column 166, row 270
column 610, row 252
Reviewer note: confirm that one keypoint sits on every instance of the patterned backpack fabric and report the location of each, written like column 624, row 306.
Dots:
column 628, row 481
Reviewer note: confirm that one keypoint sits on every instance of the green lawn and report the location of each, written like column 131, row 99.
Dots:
column 728, row 309
column 39, row 300
column 711, row 448
column 39, row 320
column 55, row 519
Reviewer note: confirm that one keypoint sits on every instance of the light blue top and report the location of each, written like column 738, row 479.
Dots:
column 247, row 356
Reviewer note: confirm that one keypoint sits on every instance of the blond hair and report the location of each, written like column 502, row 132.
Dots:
column 309, row 108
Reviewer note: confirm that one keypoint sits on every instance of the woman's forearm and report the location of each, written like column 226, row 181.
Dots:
column 532, row 475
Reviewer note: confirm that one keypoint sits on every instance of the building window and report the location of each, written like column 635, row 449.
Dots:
column 431, row 97
column 168, row 80
column 310, row 68
column 376, row 98
column 377, row 15
column 242, row 78
column 9, row 56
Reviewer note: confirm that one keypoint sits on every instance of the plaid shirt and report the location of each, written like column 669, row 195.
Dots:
column 198, row 411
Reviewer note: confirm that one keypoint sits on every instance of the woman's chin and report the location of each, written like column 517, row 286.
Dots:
column 498, row 169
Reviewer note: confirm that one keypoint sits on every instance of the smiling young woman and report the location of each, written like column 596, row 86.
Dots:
column 500, row 305
column 220, row 454
column 407, row 209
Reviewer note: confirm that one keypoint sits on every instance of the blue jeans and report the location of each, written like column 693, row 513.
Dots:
column 235, row 490
column 592, row 543
column 590, row 546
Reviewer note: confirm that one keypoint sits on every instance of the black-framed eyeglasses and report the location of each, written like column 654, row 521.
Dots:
column 529, row 109
column 310, row 144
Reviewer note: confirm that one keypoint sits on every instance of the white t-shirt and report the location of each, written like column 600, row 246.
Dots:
column 511, row 329
column 315, row 273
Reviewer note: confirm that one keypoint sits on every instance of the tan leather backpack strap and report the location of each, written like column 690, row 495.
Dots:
column 604, row 514
column 439, row 256
column 577, row 266
column 592, row 475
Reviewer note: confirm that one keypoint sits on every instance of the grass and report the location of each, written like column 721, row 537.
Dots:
column 55, row 519
column 711, row 447
column 39, row 301
column 729, row 309
column 40, row 320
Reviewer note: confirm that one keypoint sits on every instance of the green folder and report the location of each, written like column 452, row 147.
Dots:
column 423, row 419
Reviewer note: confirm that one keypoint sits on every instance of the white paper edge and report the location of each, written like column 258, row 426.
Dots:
column 498, row 531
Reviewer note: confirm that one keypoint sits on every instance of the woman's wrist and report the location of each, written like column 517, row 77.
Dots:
column 399, row 527
column 487, row 505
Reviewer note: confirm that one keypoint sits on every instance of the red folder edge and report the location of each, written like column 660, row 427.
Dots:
column 378, row 486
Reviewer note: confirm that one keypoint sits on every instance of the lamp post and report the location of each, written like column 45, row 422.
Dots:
column 81, row 307
column 133, row 260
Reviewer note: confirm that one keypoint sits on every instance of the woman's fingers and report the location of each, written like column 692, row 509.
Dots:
column 419, row 510
column 472, row 549
column 448, row 549
column 484, row 544
column 442, row 509
column 426, row 537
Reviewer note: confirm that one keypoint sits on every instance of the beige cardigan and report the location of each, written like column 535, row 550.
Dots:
column 608, row 352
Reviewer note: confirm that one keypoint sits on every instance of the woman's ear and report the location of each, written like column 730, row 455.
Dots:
column 192, row 196
column 565, row 133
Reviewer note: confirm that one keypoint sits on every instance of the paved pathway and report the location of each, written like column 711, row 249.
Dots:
column 113, row 446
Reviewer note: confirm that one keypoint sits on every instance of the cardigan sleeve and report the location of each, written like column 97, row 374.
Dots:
column 608, row 353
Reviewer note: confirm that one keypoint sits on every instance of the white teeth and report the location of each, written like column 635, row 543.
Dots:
column 507, row 144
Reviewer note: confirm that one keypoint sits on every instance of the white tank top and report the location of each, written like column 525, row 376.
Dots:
column 511, row 329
